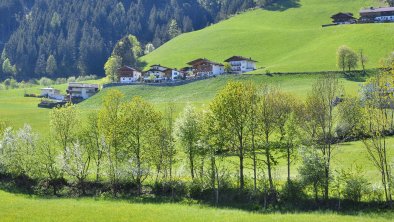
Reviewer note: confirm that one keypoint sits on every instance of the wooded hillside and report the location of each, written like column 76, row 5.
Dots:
column 80, row 35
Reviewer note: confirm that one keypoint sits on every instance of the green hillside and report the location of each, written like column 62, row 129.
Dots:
column 283, row 39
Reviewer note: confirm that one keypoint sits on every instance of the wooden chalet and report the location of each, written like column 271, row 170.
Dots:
column 205, row 67
column 343, row 18
column 128, row 74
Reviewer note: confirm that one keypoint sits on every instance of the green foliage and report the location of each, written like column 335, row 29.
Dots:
column 355, row 185
column 45, row 81
column 227, row 67
column 173, row 29
column 8, row 68
column 312, row 170
column 346, row 58
column 111, row 67
column 149, row 48
column 64, row 125
column 51, row 67
column 188, row 132
column 55, row 21
column 18, row 152
column 352, row 117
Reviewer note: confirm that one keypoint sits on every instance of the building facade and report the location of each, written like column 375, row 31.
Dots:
column 127, row 74
column 372, row 14
column 82, row 90
column 343, row 18
column 241, row 64
column 205, row 67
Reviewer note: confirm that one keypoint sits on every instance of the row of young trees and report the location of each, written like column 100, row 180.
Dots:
column 246, row 125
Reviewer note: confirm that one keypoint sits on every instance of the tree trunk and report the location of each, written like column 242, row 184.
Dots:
column 254, row 170
column 268, row 159
column 288, row 163
column 241, row 170
column 191, row 161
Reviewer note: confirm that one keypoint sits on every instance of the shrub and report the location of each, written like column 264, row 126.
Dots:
column 59, row 81
column 292, row 192
column 355, row 188
column 45, row 81
column 355, row 184
column 71, row 79
column 169, row 188
column 86, row 78
column 13, row 84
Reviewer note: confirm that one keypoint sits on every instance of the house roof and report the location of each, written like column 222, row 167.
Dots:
column 164, row 67
column 239, row 58
column 200, row 60
column 186, row 68
column 348, row 14
column 372, row 9
column 127, row 68
column 82, row 85
column 155, row 70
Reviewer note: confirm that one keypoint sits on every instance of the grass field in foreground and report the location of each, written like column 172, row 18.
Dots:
column 23, row 208
column 288, row 40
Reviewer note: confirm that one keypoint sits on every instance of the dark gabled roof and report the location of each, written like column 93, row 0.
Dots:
column 348, row 14
column 160, row 66
column 200, row 60
column 186, row 68
column 239, row 58
column 127, row 68
column 154, row 70
column 372, row 9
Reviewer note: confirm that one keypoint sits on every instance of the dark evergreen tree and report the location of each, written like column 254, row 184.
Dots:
column 82, row 34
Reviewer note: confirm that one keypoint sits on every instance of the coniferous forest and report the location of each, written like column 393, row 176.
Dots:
column 77, row 37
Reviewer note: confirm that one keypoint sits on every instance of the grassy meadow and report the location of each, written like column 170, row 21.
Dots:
column 283, row 39
column 27, row 208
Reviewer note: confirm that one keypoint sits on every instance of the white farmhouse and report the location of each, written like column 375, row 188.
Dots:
column 156, row 71
column 82, row 90
column 127, row 74
column 241, row 64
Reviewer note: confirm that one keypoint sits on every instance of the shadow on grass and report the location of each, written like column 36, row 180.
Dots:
column 282, row 5
column 245, row 200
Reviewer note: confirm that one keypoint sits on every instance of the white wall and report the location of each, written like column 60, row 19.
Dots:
column 217, row 70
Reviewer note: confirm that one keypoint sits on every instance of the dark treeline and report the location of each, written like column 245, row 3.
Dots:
column 61, row 38
column 225, row 154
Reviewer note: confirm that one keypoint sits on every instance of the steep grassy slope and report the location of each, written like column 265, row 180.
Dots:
column 200, row 93
column 283, row 40
column 23, row 208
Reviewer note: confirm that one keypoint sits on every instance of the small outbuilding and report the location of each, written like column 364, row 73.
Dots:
column 343, row 18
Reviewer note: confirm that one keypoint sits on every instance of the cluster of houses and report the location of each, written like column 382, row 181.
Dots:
column 367, row 15
column 201, row 67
